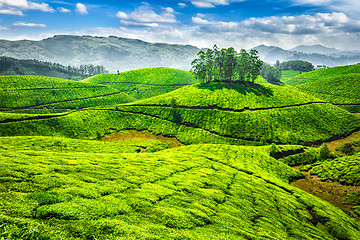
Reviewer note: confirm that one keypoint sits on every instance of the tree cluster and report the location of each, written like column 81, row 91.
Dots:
column 226, row 65
column 271, row 74
column 15, row 66
column 296, row 65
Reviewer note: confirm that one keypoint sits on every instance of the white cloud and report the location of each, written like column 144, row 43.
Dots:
column 15, row 7
column 146, row 17
column 169, row 10
column 64, row 10
column 81, row 8
column 23, row 24
column 122, row 15
column 3, row 28
column 209, row 3
column 182, row 5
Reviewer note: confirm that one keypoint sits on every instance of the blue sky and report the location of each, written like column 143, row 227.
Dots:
column 203, row 23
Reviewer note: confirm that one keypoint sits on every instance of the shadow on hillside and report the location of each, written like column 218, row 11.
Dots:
column 242, row 88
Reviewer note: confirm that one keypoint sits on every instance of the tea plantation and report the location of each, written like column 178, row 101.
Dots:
column 36, row 94
column 192, row 192
column 61, row 177
column 323, row 74
column 343, row 91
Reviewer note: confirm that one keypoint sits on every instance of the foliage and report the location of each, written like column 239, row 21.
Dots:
column 342, row 90
column 271, row 74
column 193, row 192
column 226, row 65
column 345, row 170
column 351, row 147
column 296, row 65
column 12, row 66
column 323, row 74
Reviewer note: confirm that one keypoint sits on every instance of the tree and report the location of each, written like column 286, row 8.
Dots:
column 226, row 65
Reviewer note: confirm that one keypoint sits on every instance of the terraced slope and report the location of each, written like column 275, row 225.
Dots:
column 147, row 82
column 193, row 192
column 286, row 75
column 37, row 94
column 343, row 91
column 205, row 113
column 323, row 74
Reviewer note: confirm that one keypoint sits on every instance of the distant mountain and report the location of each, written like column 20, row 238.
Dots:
column 113, row 53
column 317, row 49
column 331, row 58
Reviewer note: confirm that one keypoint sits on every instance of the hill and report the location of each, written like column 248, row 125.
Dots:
column 12, row 66
column 323, row 74
column 192, row 192
column 144, row 83
column 35, row 94
column 319, row 49
column 342, row 90
column 271, row 54
column 241, row 114
column 113, row 53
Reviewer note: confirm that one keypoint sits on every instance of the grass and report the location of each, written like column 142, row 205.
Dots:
column 341, row 90
column 35, row 94
column 192, row 192
column 323, row 74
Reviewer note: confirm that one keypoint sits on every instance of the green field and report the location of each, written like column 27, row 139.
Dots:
column 34, row 94
column 323, row 74
column 192, row 192
column 343, row 90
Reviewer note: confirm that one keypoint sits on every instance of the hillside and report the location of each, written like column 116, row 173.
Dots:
column 144, row 83
column 35, row 94
column 323, row 74
column 113, row 53
column 241, row 114
column 192, row 192
column 342, row 90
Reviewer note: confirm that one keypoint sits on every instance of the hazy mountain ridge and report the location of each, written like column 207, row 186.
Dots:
column 316, row 54
column 112, row 52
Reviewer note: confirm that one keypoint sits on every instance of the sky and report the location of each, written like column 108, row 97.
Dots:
column 202, row 23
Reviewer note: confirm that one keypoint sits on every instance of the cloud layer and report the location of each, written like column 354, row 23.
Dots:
column 16, row 7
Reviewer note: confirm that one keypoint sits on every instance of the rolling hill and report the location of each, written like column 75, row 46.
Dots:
column 241, row 114
column 36, row 94
column 145, row 83
column 191, row 192
column 323, row 74
column 342, row 90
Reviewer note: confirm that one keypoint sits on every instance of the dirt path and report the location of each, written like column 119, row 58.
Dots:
column 333, row 192
column 332, row 145
column 135, row 135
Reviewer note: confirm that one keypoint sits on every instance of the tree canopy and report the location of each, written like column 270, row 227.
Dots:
column 227, row 65
column 296, row 65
